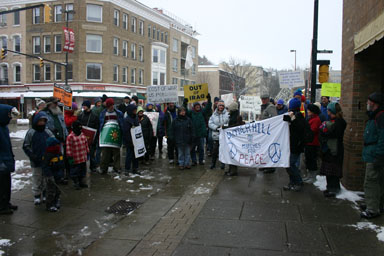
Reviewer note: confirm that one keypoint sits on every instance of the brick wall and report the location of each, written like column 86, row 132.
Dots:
column 361, row 75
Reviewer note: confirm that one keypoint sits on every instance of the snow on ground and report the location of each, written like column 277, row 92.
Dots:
column 201, row 190
column 4, row 243
column 353, row 196
column 369, row 225
column 22, row 176
column 18, row 135
column 22, row 121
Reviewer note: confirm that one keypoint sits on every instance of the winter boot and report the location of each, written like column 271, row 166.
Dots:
column 311, row 177
column 82, row 184
column 37, row 200
column 213, row 165
column 76, row 183
column 222, row 166
column 12, row 207
column 6, row 211
column 52, row 209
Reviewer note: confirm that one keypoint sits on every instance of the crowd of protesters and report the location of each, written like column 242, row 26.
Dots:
column 59, row 150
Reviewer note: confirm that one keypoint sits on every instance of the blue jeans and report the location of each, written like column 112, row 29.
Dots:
column 293, row 171
column 199, row 143
column 184, row 155
column 130, row 159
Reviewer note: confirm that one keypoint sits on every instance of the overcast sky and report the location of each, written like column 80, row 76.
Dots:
column 261, row 31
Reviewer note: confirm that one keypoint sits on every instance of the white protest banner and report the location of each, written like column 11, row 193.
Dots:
column 162, row 94
column 259, row 144
column 154, row 117
column 227, row 98
column 291, row 79
column 138, row 141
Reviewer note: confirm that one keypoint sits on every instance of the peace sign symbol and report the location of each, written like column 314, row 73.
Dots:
column 232, row 150
column 274, row 152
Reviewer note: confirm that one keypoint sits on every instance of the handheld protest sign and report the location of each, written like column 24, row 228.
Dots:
column 195, row 92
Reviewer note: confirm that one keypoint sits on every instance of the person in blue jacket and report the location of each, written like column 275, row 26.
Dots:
column 281, row 107
column 7, row 161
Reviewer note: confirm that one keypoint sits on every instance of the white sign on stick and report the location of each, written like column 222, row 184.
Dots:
column 154, row 118
column 227, row 98
column 291, row 79
column 250, row 103
column 138, row 141
column 162, row 94
column 259, row 144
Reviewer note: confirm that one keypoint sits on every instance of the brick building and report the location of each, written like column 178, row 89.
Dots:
column 362, row 74
column 121, row 47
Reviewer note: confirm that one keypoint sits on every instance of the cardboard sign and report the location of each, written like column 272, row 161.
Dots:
column 291, row 79
column 64, row 95
column 331, row 89
column 90, row 134
column 259, row 144
column 227, row 98
column 154, row 118
column 138, row 141
column 195, row 92
column 158, row 94
column 250, row 103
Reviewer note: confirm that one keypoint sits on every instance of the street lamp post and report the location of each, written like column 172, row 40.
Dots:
column 295, row 57
column 67, row 12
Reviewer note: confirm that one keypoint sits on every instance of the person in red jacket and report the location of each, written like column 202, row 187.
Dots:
column 70, row 117
column 311, row 149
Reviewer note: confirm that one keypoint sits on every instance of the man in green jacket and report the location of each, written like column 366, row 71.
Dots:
column 373, row 155
column 200, row 127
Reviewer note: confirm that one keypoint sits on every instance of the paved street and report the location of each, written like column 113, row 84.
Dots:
column 189, row 212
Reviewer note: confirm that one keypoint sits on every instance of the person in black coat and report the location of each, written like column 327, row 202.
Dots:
column 146, row 127
column 296, row 129
column 182, row 131
column 131, row 120
column 123, row 107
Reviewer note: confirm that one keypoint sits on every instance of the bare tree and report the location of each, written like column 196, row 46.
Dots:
column 204, row 61
column 203, row 77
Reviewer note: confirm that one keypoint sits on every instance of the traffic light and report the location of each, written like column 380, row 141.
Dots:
column 41, row 62
column 47, row 13
column 3, row 53
column 323, row 73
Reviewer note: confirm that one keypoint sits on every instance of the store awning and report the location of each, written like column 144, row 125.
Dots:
column 14, row 95
column 99, row 94
column 141, row 96
column 371, row 33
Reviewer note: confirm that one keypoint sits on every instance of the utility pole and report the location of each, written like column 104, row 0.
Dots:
column 295, row 57
column 314, row 51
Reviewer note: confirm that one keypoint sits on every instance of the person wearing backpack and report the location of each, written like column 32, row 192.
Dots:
column 297, row 128
column 312, row 148
column 332, row 149
column 373, row 155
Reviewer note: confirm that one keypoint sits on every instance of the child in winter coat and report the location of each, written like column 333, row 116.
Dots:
column 53, row 172
column 147, row 129
column 34, row 147
column 77, row 153
column 182, row 131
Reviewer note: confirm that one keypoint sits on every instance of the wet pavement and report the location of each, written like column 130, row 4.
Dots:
column 189, row 212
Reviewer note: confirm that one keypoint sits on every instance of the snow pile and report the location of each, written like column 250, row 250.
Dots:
column 4, row 243
column 21, row 177
column 130, row 181
column 142, row 187
column 369, row 225
column 18, row 135
column 22, row 121
column 201, row 190
column 353, row 196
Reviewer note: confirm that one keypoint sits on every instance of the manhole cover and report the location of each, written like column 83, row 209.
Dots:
column 123, row 207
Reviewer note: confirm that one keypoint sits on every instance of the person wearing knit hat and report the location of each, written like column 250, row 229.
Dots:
column 40, row 104
column 294, row 104
column 373, row 155
column 86, row 103
column 123, row 106
column 98, row 108
column 298, row 94
column 324, row 103
column 70, row 116
column 332, row 148
column 147, row 129
column 281, row 107
column 110, row 128
column 235, row 119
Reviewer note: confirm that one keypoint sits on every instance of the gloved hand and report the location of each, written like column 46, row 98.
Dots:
column 208, row 96
column 286, row 118
column 185, row 101
column 71, row 161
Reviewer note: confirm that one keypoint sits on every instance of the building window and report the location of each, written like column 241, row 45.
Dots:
column 115, row 73
column 69, row 7
column 70, row 71
column 162, row 56
column 154, row 78
column 3, row 18
column 175, row 80
column 94, row 71
column 175, row 45
column 141, row 27
column 193, row 52
column 155, row 56
column 57, row 43
column 4, row 42
column 158, row 35
column 94, row 13
column 133, row 51
column 193, row 69
column 115, row 46
column 162, row 36
column 36, row 15
column 133, row 25
column 154, row 32
column 141, row 76
column 17, row 74
column 58, row 13
column 174, row 64
column 166, row 37
column 36, row 72
column 141, row 53
column 125, row 21
column 125, row 49
column 57, row 72
column 16, row 18
column 133, row 76
column 116, row 16
column 36, row 44
column 124, row 74
column 94, row 43
column 4, row 74
column 149, row 31
column 47, row 44
column 162, row 78
column 17, row 43
column 47, row 72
